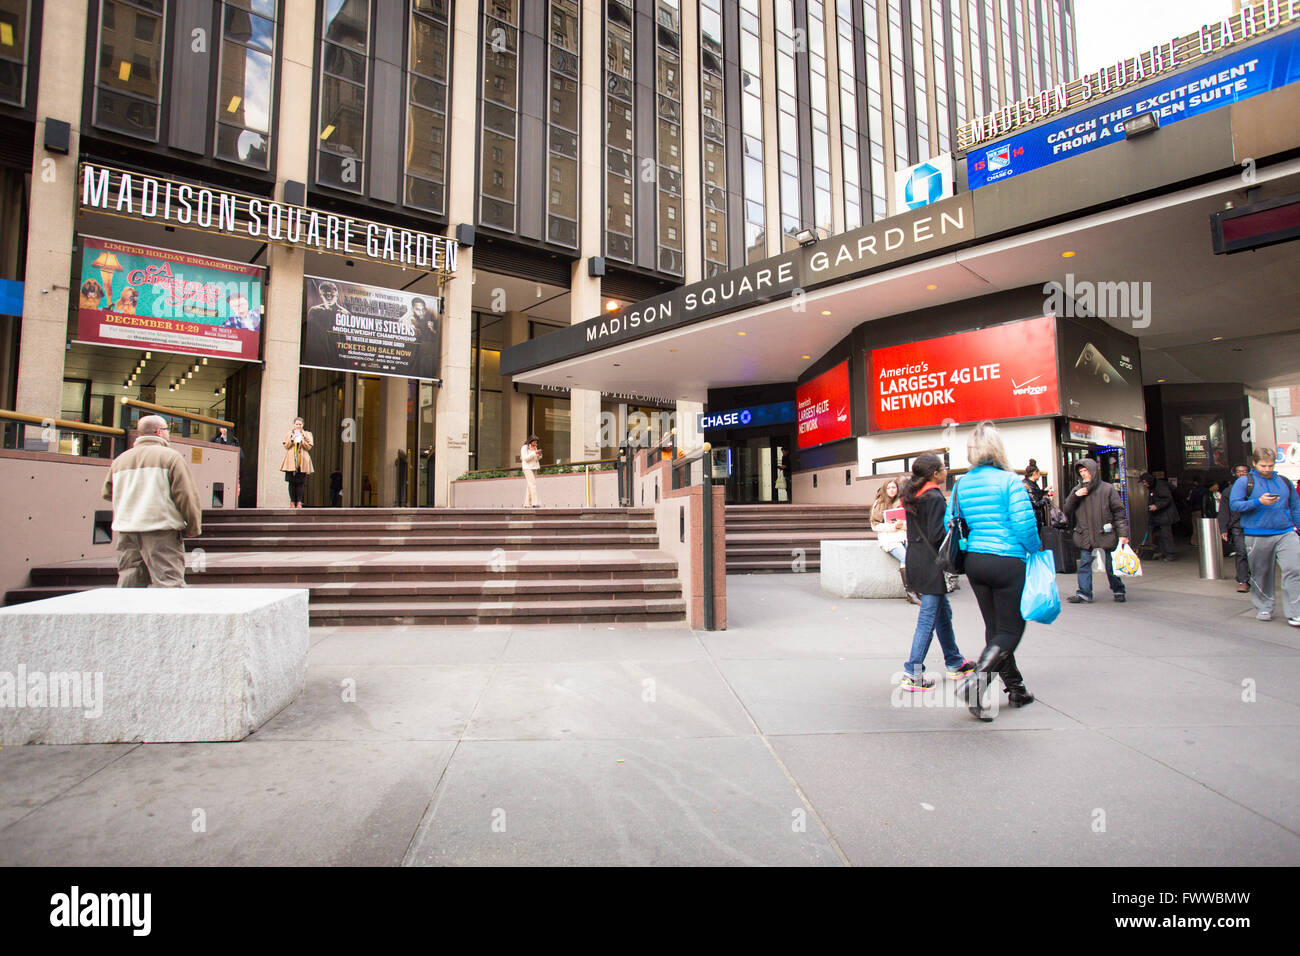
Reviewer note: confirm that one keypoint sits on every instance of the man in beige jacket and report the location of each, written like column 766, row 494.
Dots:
column 155, row 504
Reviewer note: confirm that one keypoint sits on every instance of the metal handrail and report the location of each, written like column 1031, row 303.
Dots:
column 59, row 423
column 563, row 464
column 177, row 413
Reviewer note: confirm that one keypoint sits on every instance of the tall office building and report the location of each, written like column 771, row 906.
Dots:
column 575, row 155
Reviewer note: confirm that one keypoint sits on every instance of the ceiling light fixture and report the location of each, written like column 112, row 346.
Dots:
column 1217, row 338
column 611, row 306
column 741, row 333
column 931, row 287
column 1067, row 255
column 826, row 311
column 805, row 356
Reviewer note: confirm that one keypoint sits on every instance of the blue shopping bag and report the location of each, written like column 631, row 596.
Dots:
column 1040, row 601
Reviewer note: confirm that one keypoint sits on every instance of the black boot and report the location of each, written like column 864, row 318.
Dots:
column 907, row 592
column 1013, row 682
column 973, row 690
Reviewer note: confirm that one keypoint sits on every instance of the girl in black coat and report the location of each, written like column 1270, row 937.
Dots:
column 924, row 502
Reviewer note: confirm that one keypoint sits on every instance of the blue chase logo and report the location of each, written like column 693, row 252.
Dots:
column 924, row 186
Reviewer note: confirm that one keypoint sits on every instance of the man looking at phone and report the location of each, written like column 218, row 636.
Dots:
column 1270, row 514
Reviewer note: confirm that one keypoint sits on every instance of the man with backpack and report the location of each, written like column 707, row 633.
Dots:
column 1270, row 514
column 1230, row 531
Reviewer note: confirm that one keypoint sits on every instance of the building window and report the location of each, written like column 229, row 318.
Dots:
column 751, row 116
column 787, row 123
column 903, row 148
column 341, row 124
column 564, row 125
column 15, row 23
column 819, row 90
column 244, row 98
column 500, row 104
column 619, row 161
column 426, row 105
column 668, row 132
column 873, row 83
column 129, row 72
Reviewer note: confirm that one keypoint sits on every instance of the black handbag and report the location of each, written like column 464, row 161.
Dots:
column 952, row 559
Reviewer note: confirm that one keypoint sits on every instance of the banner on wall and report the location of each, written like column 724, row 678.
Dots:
column 349, row 327
column 138, row 297
column 1004, row 372
column 822, row 408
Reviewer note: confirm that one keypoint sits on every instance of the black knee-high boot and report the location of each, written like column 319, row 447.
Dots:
column 1014, row 683
column 971, row 690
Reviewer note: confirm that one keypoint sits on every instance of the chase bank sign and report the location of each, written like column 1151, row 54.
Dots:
column 777, row 413
column 924, row 183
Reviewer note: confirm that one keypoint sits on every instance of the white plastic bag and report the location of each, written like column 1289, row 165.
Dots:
column 1126, row 562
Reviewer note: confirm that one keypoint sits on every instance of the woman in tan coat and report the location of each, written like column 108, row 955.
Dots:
column 297, row 462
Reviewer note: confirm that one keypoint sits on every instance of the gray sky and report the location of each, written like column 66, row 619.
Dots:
column 1112, row 30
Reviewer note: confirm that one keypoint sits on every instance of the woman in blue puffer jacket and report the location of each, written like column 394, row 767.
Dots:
column 1003, row 532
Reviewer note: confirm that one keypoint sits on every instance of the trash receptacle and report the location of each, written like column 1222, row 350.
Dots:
column 1210, row 551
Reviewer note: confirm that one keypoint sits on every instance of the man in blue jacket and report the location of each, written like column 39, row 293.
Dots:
column 1270, row 514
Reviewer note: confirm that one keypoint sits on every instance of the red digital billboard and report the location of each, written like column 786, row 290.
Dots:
column 823, row 407
column 1007, row 371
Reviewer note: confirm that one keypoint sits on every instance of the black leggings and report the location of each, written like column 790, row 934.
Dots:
column 297, row 484
column 997, row 582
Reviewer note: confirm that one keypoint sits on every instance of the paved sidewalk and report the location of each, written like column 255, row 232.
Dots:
column 1165, row 732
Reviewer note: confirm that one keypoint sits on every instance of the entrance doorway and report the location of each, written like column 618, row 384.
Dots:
column 759, row 470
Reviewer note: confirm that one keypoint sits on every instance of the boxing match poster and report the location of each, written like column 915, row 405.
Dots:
column 351, row 327
column 139, row 297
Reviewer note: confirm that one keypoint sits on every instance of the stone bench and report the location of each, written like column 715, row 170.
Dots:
column 150, row 664
column 859, row 569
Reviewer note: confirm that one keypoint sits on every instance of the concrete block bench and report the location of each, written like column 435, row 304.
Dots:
column 150, row 664
column 859, row 569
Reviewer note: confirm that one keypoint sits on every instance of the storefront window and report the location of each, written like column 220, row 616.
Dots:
column 549, row 421
column 247, row 76
column 486, row 387
column 341, row 125
column 129, row 73
column 426, row 116
column 15, row 16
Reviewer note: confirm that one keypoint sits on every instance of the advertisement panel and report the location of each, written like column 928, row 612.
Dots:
column 924, row 183
column 822, row 407
column 1204, row 441
column 139, row 297
column 1101, row 376
column 1236, row 76
column 349, row 327
column 1007, row 371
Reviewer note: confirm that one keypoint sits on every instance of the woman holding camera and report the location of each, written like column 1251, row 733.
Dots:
column 297, row 461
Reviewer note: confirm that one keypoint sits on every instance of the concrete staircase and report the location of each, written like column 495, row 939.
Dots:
column 427, row 566
column 774, row 537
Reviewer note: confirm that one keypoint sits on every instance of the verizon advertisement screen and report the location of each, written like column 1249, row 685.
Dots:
column 1008, row 371
column 823, row 407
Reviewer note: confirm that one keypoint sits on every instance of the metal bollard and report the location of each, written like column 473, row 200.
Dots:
column 1211, row 552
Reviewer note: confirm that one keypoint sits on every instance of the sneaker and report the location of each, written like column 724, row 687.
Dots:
column 916, row 682
column 1264, row 616
column 1121, row 597
column 1078, row 598
column 1293, row 621
column 1243, row 588
column 967, row 667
